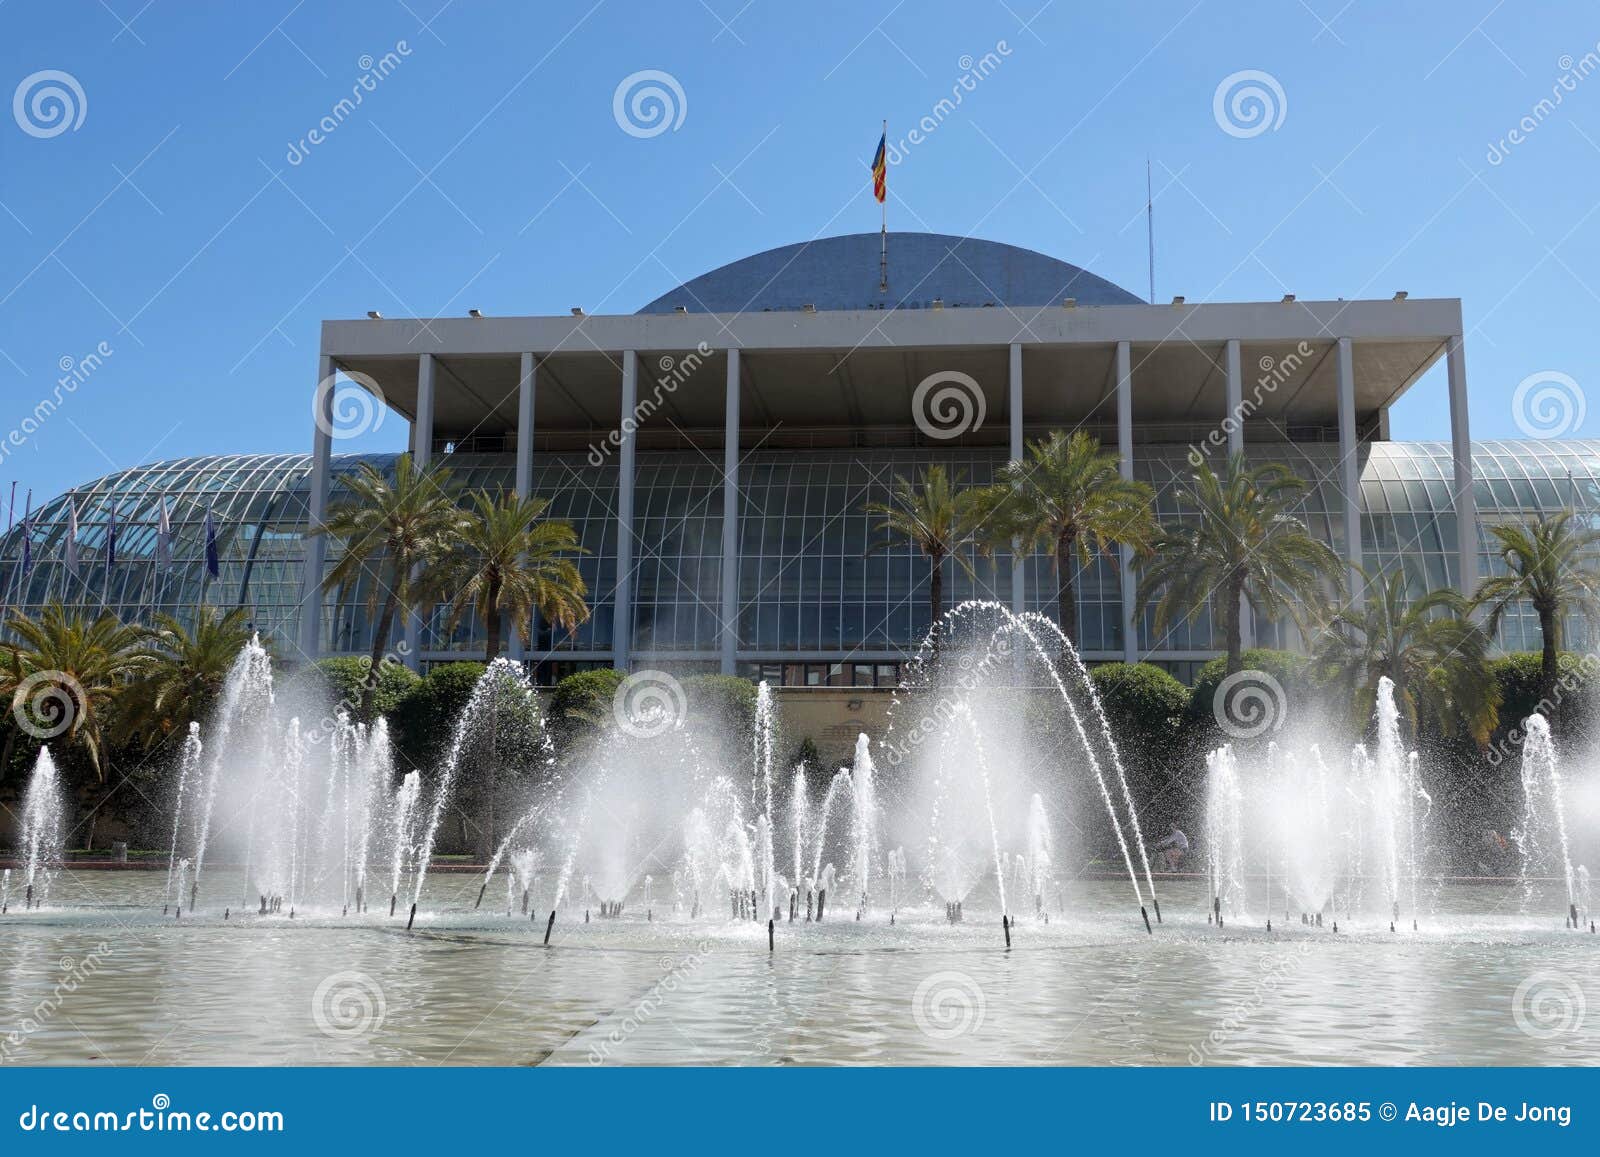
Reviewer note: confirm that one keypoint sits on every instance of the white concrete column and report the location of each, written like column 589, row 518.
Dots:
column 1235, row 397
column 421, row 456
column 622, row 624
column 1018, row 576
column 317, row 545
column 730, row 518
column 1461, row 447
column 1130, row 615
column 422, row 428
column 1235, row 420
column 527, row 386
column 1350, row 469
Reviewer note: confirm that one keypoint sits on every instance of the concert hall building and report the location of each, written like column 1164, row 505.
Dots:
column 715, row 451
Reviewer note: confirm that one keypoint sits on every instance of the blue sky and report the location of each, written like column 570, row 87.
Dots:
column 487, row 170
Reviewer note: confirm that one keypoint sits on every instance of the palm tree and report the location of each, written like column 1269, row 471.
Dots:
column 186, row 674
column 1553, row 564
column 505, row 558
column 1068, row 495
column 939, row 518
column 389, row 531
column 1430, row 648
column 1244, row 544
column 63, row 672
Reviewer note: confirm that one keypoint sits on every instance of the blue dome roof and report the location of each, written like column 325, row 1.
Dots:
column 842, row 273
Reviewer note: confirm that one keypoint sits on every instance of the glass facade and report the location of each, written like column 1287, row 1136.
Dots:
column 817, row 605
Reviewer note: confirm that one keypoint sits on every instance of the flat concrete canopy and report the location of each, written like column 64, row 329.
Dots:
column 817, row 376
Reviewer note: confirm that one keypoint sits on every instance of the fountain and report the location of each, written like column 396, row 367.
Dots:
column 41, row 844
column 1541, row 834
column 998, row 725
column 1322, row 833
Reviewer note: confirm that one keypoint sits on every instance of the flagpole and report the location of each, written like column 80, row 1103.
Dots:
column 11, row 512
column 1150, row 224
column 883, row 227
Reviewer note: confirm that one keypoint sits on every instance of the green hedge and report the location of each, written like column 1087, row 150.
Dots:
column 1573, row 704
column 423, row 721
column 726, row 702
column 580, row 705
column 339, row 682
column 1290, row 671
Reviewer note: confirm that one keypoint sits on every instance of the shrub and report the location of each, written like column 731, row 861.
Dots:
column 1143, row 703
column 338, row 682
column 726, row 703
column 1147, row 709
column 1573, row 703
column 424, row 719
column 580, row 704
column 1290, row 671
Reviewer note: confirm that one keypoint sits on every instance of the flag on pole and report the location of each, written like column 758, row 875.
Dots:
column 72, row 538
column 880, row 169
column 164, row 540
column 212, row 566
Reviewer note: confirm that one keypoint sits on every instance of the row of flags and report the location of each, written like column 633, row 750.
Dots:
column 164, row 538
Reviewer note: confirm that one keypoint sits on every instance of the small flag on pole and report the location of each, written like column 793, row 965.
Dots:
column 880, row 169
column 164, row 540
column 212, row 565
column 72, row 538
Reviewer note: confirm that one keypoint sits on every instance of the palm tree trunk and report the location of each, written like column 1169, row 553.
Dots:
column 380, row 639
column 491, row 613
column 1548, row 661
column 1233, row 594
column 1066, row 599
column 936, row 594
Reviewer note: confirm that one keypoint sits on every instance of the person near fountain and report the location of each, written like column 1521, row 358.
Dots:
column 1494, row 852
column 1174, row 848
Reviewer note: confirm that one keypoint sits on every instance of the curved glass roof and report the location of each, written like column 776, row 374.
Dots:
column 807, row 587
column 844, row 273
